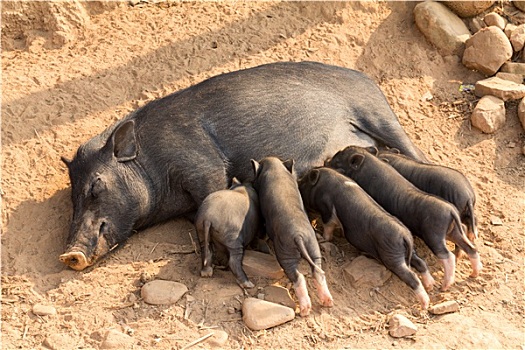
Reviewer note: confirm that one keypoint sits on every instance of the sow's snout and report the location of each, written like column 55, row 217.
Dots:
column 88, row 244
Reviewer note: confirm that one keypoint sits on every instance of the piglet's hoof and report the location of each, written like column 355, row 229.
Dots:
column 247, row 285
column 207, row 272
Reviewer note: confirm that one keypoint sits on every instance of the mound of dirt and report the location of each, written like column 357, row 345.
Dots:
column 71, row 69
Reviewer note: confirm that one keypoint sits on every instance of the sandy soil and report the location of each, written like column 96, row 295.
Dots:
column 56, row 97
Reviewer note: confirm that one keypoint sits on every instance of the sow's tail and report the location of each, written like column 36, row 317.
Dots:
column 304, row 252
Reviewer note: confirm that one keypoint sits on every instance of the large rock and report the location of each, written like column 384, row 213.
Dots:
column 468, row 8
column 441, row 27
column 517, row 78
column 513, row 67
column 260, row 314
column 494, row 19
column 160, row 292
column 505, row 89
column 260, row 264
column 489, row 114
column 399, row 326
column 517, row 37
column 521, row 113
column 487, row 50
column 365, row 272
column 279, row 295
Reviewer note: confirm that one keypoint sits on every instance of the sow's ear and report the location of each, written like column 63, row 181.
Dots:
column 356, row 160
column 289, row 165
column 255, row 166
column 313, row 177
column 66, row 161
column 124, row 142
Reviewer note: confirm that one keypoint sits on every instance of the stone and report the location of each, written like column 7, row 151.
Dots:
column 218, row 339
column 399, row 326
column 509, row 28
column 496, row 221
column 517, row 78
column 468, row 8
column 60, row 341
column 519, row 5
column 489, row 114
column 441, row 27
column 279, row 295
column 517, row 37
column 114, row 339
column 365, row 272
column 444, row 308
column 260, row 264
column 513, row 67
column 505, row 89
column 475, row 24
column 487, row 50
column 521, row 112
column 44, row 310
column 261, row 314
column 494, row 19
column 159, row 292
column 329, row 248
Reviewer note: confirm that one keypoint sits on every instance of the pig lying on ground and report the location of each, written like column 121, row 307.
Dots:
column 366, row 225
column 231, row 219
column 444, row 182
column 289, row 228
column 427, row 216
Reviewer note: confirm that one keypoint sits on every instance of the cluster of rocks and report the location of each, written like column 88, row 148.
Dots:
column 487, row 42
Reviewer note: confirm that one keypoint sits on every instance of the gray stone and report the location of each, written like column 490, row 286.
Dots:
column 521, row 112
column 44, row 310
column 509, row 28
column 365, row 272
column 517, row 78
column 218, row 339
column 441, row 27
column 114, row 339
column 505, row 89
column 60, row 341
column 260, row 264
column 487, row 50
column 279, row 295
column 494, row 19
column 468, row 8
column 489, row 114
column 399, row 326
column 517, row 37
column 159, row 292
column 513, row 67
column 475, row 24
column 260, row 314
column 444, row 308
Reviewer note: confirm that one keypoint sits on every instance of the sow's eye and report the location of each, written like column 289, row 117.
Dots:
column 97, row 187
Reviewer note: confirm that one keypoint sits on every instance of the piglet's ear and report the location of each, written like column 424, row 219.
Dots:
column 125, row 142
column 235, row 181
column 66, row 161
column 394, row 150
column 356, row 160
column 255, row 166
column 327, row 162
column 313, row 176
column 384, row 160
column 373, row 150
column 289, row 165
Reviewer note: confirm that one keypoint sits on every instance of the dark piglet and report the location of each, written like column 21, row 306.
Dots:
column 163, row 159
column 428, row 217
column 442, row 181
column 367, row 226
column 289, row 228
column 231, row 220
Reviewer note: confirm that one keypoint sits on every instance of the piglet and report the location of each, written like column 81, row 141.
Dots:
column 289, row 228
column 426, row 216
column 231, row 220
column 366, row 225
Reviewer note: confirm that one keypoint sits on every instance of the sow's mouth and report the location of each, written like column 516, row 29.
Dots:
column 76, row 260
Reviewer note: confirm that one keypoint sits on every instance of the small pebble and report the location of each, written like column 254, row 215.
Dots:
column 445, row 307
column 159, row 292
column 44, row 310
column 60, row 341
column 496, row 221
column 116, row 340
column 400, row 326
column 218, row 339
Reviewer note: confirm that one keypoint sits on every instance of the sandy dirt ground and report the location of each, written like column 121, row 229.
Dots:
column 55, row 97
